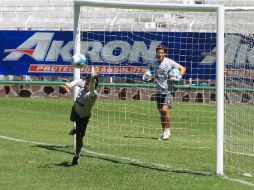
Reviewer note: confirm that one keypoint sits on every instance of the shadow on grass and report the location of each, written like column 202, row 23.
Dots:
column 115, row 160
column 140, row 137
column 59, row 149
column 64, row 164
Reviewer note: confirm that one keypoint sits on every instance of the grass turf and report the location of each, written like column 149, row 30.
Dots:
column 123, row 151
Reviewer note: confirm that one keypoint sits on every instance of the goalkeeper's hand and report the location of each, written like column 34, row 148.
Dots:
column 147, row 78
column 94, row 71
column 175, row 77
column 66, row 87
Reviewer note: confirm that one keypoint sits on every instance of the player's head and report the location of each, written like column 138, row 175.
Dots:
column 161, row 51
column 86, row 87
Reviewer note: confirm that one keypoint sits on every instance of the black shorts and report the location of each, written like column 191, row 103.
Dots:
column 81, row 122
column 164, row 99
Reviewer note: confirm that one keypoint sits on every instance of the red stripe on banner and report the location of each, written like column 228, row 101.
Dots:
column 25, row 51
column 39, row 68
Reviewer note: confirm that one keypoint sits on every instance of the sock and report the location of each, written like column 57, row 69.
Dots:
column 167, row 132
column 76, row 155
column 162, row 134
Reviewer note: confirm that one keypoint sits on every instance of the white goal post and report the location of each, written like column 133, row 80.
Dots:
column 218, row 9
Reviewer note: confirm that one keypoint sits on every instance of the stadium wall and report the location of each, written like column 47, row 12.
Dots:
column 47, row 53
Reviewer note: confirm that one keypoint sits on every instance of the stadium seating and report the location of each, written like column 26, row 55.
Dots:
column 58, row 14
column 54, row 15
column 40, row 14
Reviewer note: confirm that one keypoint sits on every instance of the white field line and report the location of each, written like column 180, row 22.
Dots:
column 238, row 181
column 130, row 160
column 30, row 142
column 240, row 153
column 161, row 166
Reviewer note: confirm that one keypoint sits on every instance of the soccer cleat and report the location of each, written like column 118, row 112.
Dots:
column 166, row 137
column 72, row 132
column 75, row 160
column 166, row 134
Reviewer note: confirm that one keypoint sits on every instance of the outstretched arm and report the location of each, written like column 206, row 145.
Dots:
column 68, row 86
column 94, row 72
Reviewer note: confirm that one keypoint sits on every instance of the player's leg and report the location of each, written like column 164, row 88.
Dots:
column 160, row 100
column 163, row 120
column 79, row 144
column 73, row 118
column 81, row 125
column 167, row 104
column 166, row 114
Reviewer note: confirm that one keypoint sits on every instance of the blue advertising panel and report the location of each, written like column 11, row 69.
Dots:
column 115, row 53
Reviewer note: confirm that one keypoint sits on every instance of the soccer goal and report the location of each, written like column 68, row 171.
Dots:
column 121, row 37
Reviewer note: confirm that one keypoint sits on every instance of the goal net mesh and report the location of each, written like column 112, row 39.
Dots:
column 125, row 121
column 239, row 109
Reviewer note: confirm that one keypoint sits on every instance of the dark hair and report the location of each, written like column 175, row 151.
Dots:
column 96, row 80
column 161, row 47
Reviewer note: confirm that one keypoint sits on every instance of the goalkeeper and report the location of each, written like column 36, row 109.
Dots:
column 82, row 107
column 161, row 67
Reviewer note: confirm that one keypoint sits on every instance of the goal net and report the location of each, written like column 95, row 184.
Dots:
column 125, row 122
column 239, row 98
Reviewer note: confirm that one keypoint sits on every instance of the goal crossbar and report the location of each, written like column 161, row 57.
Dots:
column 148, row 6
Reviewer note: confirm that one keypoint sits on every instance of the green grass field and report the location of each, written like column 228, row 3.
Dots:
column 121, row 151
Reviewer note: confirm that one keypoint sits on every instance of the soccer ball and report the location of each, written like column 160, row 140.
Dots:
column 78, row 60
column 174, row 74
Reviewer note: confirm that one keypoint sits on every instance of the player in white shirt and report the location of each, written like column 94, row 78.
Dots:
column 82, row 107
column 161, row 67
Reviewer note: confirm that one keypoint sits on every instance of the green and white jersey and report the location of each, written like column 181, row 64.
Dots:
column 161, row 70
column 85, row 100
